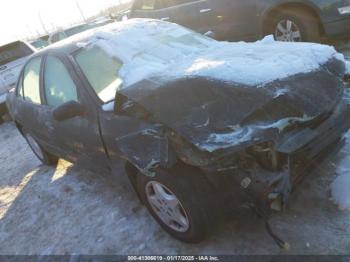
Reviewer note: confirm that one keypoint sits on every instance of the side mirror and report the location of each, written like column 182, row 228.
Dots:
column 68, row 110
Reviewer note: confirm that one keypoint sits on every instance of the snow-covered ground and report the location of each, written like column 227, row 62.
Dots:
column 69, row 210
column 45, row 210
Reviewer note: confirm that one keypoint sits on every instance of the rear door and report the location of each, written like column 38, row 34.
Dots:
column 233, row 19
column 227, row 19
column 29, row 110
column 194, row 14
column 150, row 9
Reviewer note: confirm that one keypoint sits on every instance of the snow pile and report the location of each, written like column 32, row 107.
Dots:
column 150, row 47
column 340, row 188
column 341, row 191
column 347, row 64
column 261, row 62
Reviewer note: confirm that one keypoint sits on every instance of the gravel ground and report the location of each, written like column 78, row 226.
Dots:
column 69, row 210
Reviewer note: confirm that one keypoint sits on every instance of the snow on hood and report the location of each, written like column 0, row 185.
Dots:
column 151, row 47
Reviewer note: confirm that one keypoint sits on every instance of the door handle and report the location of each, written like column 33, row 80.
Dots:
column 202, row 11
column 165, row 18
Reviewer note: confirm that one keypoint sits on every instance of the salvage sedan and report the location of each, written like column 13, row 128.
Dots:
column 204, row 127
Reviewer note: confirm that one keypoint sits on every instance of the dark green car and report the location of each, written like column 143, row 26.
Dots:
column 287, row 20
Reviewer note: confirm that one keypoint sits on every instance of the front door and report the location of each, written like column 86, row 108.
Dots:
column 79, row 137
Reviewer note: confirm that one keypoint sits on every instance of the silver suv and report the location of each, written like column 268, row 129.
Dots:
column 12, row 58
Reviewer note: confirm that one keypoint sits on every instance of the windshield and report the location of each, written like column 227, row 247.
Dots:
column 14, row 51
column 102, row 59
column 101, row 70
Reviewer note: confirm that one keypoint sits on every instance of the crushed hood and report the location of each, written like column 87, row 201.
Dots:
column 215, row 115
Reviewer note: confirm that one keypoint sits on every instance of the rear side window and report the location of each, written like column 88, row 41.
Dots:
column 31, row 81
column 147, row 5
column 58, row 84
column 14, row 51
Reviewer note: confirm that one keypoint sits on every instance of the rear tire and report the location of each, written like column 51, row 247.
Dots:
column 294, row 25
column 196, row 212
column 44, row 156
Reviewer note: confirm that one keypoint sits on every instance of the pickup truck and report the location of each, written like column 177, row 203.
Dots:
column 12, row 58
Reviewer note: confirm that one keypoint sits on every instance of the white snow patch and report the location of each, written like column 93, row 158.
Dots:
column 239, row 135
column 340, row 188
column 281, row 92
column 149, row 47
column 108, row 106
column 347, row 64
column 341, row 191
column 219, row 141
column 203, row 64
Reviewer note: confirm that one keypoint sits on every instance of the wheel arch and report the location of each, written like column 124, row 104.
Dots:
column 301, row 6
column 132, row 172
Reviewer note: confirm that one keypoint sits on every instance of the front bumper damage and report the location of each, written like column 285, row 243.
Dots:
column 302, row 149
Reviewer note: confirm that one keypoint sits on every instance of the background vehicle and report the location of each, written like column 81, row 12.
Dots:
column 12, row 58
column 198, row 138
column 60, row 35
column 39, row 43
column 288, row 20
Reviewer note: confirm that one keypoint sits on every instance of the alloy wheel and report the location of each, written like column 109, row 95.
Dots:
column 287, row 31
column 167, row 206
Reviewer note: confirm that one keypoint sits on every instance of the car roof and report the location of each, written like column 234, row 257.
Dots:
column 14, row 42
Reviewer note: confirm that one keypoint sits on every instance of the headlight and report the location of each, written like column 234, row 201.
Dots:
column 344, row 10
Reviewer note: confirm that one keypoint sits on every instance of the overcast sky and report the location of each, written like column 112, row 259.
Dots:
column 21, row 18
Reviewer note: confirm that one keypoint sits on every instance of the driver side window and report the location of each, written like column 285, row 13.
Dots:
column 58, row 84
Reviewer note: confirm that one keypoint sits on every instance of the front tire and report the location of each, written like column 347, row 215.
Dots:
column 44, row 156
column 294, row 25
column 181, row 201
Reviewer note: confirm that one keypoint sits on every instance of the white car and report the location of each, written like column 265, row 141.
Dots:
column 12, row 58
